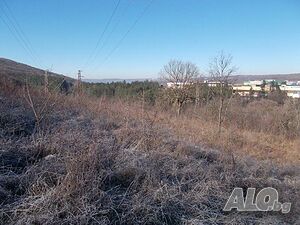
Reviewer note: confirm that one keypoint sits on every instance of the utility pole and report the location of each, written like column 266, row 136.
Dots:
column 46, row 82
column 79, row 77
column 197, row 93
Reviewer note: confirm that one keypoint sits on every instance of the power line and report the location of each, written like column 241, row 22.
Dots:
column 94, row 52
column 126, row 33
column 114, row 28
column 17, row 38
column 26, row 39
column 15, row 31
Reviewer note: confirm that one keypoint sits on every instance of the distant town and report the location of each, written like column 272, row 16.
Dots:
column 261, row 88
column 252, row 88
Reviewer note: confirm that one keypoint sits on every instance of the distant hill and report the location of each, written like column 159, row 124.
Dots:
column 21, row 72
column 242, row 78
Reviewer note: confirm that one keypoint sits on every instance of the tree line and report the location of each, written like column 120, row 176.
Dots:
column 146, row 90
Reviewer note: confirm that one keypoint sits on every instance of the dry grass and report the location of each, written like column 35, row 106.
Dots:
column 255, row 138
column 95, row 161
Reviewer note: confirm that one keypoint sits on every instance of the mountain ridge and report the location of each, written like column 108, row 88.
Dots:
column 19, row 71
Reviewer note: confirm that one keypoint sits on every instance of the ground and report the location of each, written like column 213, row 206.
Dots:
column 88, row 165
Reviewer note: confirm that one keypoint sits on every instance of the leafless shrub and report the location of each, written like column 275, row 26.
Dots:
column 221, row 70
column 181, row 75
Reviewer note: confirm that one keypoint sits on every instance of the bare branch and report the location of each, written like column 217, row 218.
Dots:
column 221, row 68
column 177, row 71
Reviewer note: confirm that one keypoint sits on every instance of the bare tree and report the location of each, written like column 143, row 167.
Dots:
column 180, row 76
column 221, row 69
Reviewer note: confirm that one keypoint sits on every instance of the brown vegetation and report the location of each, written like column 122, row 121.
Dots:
column 99, row 161
column 261, row 128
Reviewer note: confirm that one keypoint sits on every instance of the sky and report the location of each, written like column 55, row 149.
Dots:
column 109, row 39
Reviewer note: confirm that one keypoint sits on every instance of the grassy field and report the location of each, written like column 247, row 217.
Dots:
column 83, row 160
column 262, row 138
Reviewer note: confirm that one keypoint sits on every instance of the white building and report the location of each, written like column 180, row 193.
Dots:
column 254, row 82
column 177, row 84
column 292, row 91
column 253, row 88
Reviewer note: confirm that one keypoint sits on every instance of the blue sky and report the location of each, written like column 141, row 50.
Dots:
column 263, row 36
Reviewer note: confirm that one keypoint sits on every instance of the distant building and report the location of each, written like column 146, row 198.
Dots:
column 261, row 88
column 292, row 89
column 255, row 88
column 178, row 84
column 213, row 83
column 254, row 82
